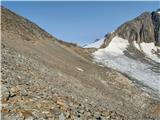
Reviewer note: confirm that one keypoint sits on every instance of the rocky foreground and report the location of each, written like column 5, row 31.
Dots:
column 27, row 95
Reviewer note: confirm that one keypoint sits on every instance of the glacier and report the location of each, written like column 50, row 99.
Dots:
column 113, row 56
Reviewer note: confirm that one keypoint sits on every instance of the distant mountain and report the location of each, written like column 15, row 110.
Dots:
column 96, row 44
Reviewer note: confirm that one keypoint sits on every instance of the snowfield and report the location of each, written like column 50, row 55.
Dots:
column 96, row 44
column 113, row 57
column 148, row 49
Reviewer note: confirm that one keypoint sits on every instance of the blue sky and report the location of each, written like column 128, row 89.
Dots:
column 80, row 22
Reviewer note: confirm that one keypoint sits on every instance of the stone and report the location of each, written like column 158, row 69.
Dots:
column 98, row 118
column 5, row 93
column 25, row 114
column 62, row 117
column 29, row 118
column 60, row 102
column 13, row 91
column 23, row 92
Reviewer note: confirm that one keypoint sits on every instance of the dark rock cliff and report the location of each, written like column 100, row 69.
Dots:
column 156, row 23
column 144, row 28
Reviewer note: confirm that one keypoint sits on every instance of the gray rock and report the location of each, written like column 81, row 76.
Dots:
column 13, row 91
column 23, row 92
column 12, row 117
column 5, row 92
column 62, row 116
column 30, row 118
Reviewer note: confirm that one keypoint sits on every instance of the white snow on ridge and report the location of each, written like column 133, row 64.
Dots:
column 117, row 46
column 96, row 44
column 113, row 57
column 149, row 50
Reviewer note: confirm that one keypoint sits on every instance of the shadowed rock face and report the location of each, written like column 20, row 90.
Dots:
column 156, row 23
column 144, row 28
column 140, row 29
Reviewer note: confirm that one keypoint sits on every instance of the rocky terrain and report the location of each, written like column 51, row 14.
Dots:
column 47, row 79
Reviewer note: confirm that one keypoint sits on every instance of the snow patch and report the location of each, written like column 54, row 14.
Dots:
column 113, row 57
column 117, row 46
column 149, row 50
column 79, row 69
column 96, row 44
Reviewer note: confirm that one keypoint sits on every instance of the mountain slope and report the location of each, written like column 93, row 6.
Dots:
column 133, row 50
column 43, row 78
column 119, row 58
column 95, row 44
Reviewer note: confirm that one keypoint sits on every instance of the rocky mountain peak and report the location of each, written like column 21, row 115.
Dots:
column 144, row 28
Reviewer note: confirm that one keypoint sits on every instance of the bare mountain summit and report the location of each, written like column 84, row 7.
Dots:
column 44, row 78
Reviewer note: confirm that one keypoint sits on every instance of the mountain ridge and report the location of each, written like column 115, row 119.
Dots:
column 140, row 29
column 134, row 47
